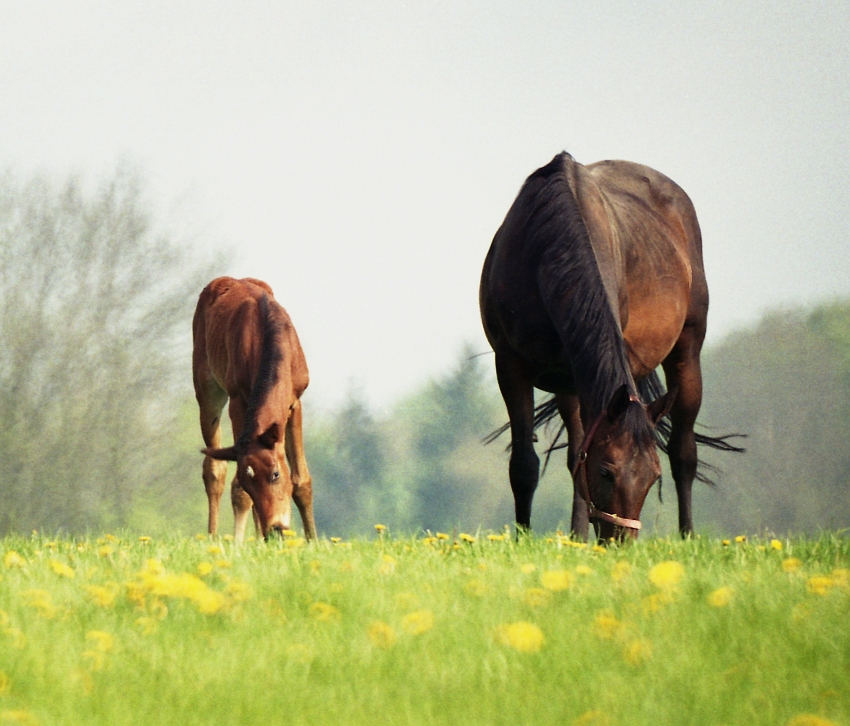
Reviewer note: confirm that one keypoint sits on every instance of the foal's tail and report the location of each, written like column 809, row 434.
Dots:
column 650, row 388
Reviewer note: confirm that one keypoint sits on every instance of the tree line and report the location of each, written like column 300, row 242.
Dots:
column 95, row 304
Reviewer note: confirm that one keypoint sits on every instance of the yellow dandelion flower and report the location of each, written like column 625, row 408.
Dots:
column 819, row 585
column 418, row 622
column 599, row 549
column 200, row 536
column 5, row 683
column 336, row 540
column 430, row 541
column 223, row 564
column 101, row 640
column 607, row 626
column 289, row 533
column 103, row 595
column 653, row 603
column 215, row 550
column 741, row 538
column 41, row 601
column 556, row 580
column 620, row 571
column 324, row 612
column 144, row 539
column 442, row 535
column 468, row 538
column 295, row 542
column 62, row 569
column 810, row 719
column 583, row 570
column 381, row 634
column 238, row 591
column 522, row 636
column 537, row 597
column 791, row 564
column 776, row 544
column 205, row 568
column 496, row 537
column 725, row 542
column 666, row 574
column 13, row 559
column 380, row 528
column 528, row 568
column 637, row 652
column 721, row 597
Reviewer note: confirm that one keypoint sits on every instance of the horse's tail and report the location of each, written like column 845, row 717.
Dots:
column 651, row 388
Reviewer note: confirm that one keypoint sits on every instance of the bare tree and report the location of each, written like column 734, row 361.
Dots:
column 94, row 336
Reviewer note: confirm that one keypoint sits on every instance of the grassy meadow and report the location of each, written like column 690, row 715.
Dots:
column 443, row 629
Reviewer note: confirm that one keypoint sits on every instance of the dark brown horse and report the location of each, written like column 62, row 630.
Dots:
column 246, row 349
column 593, row 280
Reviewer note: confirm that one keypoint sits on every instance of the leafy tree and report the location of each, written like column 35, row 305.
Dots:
column 95, row 307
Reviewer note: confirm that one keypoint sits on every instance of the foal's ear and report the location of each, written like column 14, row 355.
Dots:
column 269, row 437
column 661, row 406
column 228, row 454
column 619, row 403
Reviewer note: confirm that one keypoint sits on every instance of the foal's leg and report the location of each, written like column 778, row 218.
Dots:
column 302, row 483
column 682, row 371
column 211, row 400
column 238, row 496
column 568, row 407
column 524, row 468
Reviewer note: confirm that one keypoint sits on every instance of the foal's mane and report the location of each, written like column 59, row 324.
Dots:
column 271, row 355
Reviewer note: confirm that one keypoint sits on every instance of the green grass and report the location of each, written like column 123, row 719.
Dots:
column 402, row 631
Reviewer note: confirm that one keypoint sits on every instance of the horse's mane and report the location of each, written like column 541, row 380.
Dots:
column 575, row 296
column 271, row 355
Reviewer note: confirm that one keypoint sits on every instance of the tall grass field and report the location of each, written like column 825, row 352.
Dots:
column 444, row 629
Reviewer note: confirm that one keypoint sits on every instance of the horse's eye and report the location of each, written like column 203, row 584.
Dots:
column 606, row 473
column 275, row 476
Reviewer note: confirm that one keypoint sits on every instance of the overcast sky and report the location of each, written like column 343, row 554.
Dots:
column 360, row 156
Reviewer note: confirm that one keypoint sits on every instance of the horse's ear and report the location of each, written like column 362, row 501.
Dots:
column 661, row 406
column 269, row 437
column 228, row 454
column 619, row 403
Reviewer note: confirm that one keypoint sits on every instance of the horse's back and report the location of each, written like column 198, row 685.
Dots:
column 228, row 334
column 656, row 228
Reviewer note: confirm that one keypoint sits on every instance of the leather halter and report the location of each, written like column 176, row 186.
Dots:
column 584, row 490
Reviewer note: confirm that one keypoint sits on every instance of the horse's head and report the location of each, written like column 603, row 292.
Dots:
column 620, row 462
column 262, row 472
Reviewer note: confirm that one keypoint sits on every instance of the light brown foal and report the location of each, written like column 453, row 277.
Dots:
column 246, row 350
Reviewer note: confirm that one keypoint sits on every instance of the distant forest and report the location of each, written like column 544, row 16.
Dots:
column 95, row 305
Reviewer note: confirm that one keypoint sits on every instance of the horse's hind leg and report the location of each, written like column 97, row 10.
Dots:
column 211, row 400
column 302, row 483
column 682, row 371
column 524, row 468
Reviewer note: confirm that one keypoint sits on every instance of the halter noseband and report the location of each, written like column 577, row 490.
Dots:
column 584, row 490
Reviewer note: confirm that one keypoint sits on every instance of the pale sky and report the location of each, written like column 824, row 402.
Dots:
column 360, row 156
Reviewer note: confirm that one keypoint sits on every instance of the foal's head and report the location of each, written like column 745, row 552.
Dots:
column 620, row 462
column 262, row 472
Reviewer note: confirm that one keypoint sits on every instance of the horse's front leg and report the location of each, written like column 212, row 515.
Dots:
column 682, row 371
column 524, row 467
column 211, row 400
column 570, row 410
column 302, row 483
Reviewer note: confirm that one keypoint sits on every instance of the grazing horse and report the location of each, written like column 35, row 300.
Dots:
column 246, row 349
column 593, row 280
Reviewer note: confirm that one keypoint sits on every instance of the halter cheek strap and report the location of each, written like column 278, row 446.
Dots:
column 584, row 491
